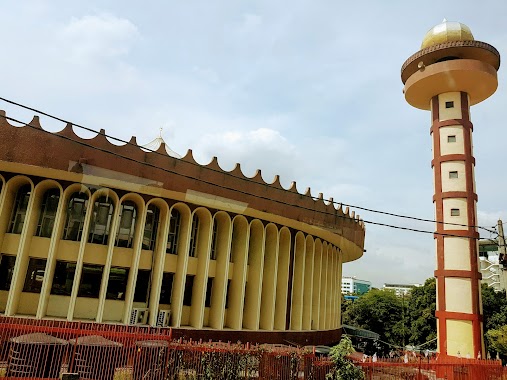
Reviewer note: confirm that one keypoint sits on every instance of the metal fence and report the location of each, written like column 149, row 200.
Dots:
column 46, row 349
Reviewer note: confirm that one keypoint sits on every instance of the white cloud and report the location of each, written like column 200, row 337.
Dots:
column 93, row 39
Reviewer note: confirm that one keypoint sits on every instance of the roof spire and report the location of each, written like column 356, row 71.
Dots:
column 160, row 132
column 444, row 20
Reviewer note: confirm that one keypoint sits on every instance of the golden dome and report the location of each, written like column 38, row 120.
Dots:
column 445, row 32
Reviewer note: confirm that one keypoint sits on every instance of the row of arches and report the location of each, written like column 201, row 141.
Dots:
column 80, row 252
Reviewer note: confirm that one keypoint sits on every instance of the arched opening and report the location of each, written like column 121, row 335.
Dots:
column 48, row 211
column 101, row 221
column 126, row 229
column 76, row 212
column 174, row 232
column 19, row 210
column 151, row 227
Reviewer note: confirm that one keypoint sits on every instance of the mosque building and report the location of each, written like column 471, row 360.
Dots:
column 91, row 231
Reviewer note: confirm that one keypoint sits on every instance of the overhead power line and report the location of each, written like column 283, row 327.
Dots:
column 224, row 172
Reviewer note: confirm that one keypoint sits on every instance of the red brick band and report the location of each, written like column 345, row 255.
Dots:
column 458, row 273
column 458, row 316
column 453, row 157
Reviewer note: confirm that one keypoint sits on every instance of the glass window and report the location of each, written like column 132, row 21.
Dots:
column 48, row 213
column 142, row 286
column 454, row 211
column 213, row 251
column 6, row 271
column 451, row 139
column 91, row 278
column 174, row 232
column 117, row 283
column 34, row 275
column 125, row 233
column 63, row 278
column 19, row 210
column 167, row 288
column 187, row 296
column 194, row 236
column 75, row 217
column 101, row 221
column 453, row 174
column 449, row 104
column 209, row 289
column 151, row 227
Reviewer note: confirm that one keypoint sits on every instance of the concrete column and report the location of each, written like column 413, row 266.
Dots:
column 317, row 283
column 324, row 287
column 308, row 289
column 269, row 278
column 298, row 283
column 282, row 278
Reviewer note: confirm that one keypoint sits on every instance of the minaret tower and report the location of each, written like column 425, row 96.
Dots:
column 449, row 74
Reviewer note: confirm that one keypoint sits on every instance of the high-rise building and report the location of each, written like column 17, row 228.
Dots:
column 449, row 74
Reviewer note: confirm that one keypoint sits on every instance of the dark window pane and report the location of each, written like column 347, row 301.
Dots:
column 101, row 221
column 209, row 289
column 34, row 275
column 213, row 251
column 127, row 225
column 75, row 217
column 117, row 283
column 142, row 286
column 189, row 284
column 150, row 228
column 63, row 278
column 174, row 232
column 91, row 278
column 6, row 271
column 194, row 237
column 19, row 210
column 227, row 293
column 167, row 288
column 48, row 213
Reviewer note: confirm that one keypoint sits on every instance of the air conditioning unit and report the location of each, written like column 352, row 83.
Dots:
column 139, row 316
column 163, row 318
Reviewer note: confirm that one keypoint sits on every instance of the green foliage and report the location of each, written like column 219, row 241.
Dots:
column 497, row 339
column 379, row 311
column 344, row 368
column 421, row 313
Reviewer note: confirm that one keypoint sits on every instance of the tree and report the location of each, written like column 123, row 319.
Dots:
column 421, row 311
column 380, row 311
column 344, row 368
column 497, row 339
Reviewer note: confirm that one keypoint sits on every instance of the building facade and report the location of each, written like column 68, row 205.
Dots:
column 94, row 231
column 400, row 289
column 352, row 285
column 492, row 270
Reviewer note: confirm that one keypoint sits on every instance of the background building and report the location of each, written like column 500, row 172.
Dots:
column 493, row 273
column 355, row 286
column 400, row 289
column 95, row 231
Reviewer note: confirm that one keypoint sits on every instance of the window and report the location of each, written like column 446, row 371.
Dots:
column 194, row 236
column 117, row 284
column 174, row 232
column 209, row 289
column 91, row 278
column 34, row 275
column 454, row 211
column 6, row 271
column 127, row 225
column 166, row 289
column 63, row 278
column 453, row 174
column 75, row 217
column 19, row 210
column 101, row 221
column 213, row 251
column 449, row 104
column 142, row 286
column 189, row 285
column 48, row 213
column 151, row 227
column 451, row 139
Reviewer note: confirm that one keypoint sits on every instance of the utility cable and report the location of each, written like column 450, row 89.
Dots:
column 225, row 187
column 245, row 178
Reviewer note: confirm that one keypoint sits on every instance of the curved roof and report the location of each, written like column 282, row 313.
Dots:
column 155, row 144
column 447, row 31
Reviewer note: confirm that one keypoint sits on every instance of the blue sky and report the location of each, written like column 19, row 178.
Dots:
column 309, row 90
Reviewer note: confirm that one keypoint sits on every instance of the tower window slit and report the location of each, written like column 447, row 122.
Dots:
column 454, row 211
column 449, row 104
column 451, row 139
column 453, row 174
